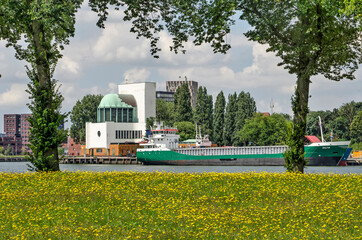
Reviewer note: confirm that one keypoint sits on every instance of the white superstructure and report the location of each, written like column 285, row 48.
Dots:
column 122, row 117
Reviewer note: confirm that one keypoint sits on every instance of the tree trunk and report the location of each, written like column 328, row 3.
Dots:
column 300, row 109
column 42, row 54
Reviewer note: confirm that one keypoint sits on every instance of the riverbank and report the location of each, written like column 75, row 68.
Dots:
column 136, row 205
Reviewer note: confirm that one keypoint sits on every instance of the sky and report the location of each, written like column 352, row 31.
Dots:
column 97, row 60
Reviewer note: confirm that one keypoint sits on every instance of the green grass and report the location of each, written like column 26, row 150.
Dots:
column 129, row 205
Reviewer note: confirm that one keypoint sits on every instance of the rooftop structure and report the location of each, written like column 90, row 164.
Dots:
column 171, row 86
column 121, row 118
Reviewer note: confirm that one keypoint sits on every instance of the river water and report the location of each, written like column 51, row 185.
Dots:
column 21, row 167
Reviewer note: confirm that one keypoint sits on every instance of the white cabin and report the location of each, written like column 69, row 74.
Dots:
column 163, row 138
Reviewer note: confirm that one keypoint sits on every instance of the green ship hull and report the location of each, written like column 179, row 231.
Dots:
column 318, row 155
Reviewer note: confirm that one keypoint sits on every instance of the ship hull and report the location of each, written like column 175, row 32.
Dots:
column 315, row 156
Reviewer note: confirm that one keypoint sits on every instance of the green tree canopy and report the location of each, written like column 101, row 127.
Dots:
column 165, row 112
column 313, row 122
column 265, row 130
column 356, row 128
column 83, row 111
column 182, row 104
column 339, row 127
column 219, row 117
column 186, row 130
column 230, row 114
column 45, row 26
column 204, row 111
column 349, row 110
column 246, row 109
column 307, row 36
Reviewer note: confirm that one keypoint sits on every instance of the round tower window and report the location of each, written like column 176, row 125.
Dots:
column 99, row 133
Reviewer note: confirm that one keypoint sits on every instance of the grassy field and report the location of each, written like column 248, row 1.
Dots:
column 130, row 205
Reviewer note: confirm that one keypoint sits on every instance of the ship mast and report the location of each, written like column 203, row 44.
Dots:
column 320, row 126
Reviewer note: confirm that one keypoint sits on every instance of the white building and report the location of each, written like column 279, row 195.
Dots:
column 121, row 118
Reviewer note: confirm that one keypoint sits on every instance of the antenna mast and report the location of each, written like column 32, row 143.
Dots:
column 271, row 107
column 320, row 126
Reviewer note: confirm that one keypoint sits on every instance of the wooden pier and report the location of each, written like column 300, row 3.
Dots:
column 13, row 159
column 99, row 160
column 354, row 161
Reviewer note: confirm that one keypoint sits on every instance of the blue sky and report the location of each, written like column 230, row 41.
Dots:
column 97, row 60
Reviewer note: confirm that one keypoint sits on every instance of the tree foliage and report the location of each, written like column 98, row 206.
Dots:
column 218, row 120
column 307, row 36
column 83, row 111
column 265, row 130
column 165, row 112
column 349, row 110
column 310, row 36
column 8, row 150
column 337, row 121
column 246, row 108
column 204, row 111
column 45, row 26
column 230, row 114
column 356, row 128
column 182, row 104
column 186, row 130
column 313, row 127
column 45, row 121
column 202, row 21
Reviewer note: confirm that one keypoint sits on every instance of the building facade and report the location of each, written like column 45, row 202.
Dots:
column 16, row 127
column 171, row 86
column 121, row 118
column 166, row 96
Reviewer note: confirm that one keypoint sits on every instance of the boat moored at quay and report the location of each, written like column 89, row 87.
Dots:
column 162, row 149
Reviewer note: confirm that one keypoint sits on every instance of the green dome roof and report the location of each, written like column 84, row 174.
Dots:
column 112, row 101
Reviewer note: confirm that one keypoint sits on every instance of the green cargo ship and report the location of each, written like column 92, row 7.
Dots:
column 163, row 150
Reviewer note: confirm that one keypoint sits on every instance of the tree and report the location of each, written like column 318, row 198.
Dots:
column 8, row 150
column 307, row 36
column 246, row 109
column 348, row 111
column 354, row 8
column 45, row 27
column 356, row 128
column 186, row 130
column 165, row 111
column 82, row 112
column 209, row 116
column 183, row 109
column 313, row 127
column 263, row 130
column 150, row 123
column 23, row 151
column 2, row 150
column 204, row 111
column 340, row 128
column 230, row 114
column 200, row 108
column 218, row 121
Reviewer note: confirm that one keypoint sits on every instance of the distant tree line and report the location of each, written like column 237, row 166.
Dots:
column 343, row 123
column 232, row 123
column 221, row 122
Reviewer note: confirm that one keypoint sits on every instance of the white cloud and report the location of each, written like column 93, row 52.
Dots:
column 116, row 43
column 14, row 97
column 136, row 75
column 67, row 65
column 112, row 88
column 98, row 59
